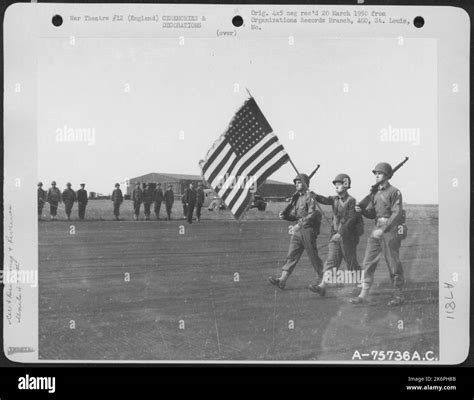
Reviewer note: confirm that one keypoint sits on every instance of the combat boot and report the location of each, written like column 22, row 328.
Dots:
column 398, row 300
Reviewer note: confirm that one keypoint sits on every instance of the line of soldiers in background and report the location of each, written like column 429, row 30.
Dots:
column 191, row 199
column 144, row 193
column 54, row 197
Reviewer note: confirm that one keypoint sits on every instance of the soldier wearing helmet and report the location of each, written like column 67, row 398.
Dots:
column 302, row 210
column 345, row 233
column 386, row 208
column 137, row 198
column 69, row 197
column 147, row 200
column 53, row 198
column 41, row 199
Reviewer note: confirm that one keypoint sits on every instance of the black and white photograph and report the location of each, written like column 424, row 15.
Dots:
column 268, row 189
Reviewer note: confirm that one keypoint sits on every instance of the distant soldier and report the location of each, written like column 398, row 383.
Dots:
column 69, row 197
column 169, row 200
column 346, row 228
column 53, row 198
column 387, row 210
column 304, row 233
column 199, row 201
column 190, row 197
column 183, row 202
column 137, row 198
column 41, row 199
column 157, row 199
column 147, row 200
column 117, row 200
column 82, row 200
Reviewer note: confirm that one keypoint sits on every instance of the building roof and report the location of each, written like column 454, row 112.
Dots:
column 188, row 177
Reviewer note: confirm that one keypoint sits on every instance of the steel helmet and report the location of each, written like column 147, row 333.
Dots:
column 343, row 178
column 302, row 176
column 384, row 167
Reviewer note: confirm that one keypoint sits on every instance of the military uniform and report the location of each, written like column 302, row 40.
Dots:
column 190, row 198
column 117, row 199
column 147, row 200
column 169, row 200
column 82, row 201
column 69, row 197
column 157, row 199
column 53, row 198
column 344, row 237
column 199, row 202
column 386, row 209
column 183, row 202
column 309, row 221
column 137, row 198
column 41, row 200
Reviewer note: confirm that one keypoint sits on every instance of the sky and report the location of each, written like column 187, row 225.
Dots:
column 150, row 105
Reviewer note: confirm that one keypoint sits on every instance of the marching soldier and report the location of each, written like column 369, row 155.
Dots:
column 69, row 197
column 190, row 197
column 386, row 208
column 53, row 198
column 82, row 200
column 199, row 201
column 304, row 233
column 41, row 199
column 346, row 227
column 117, row 199
column 169, row 199
column 157, row 199
column 147, row 200
column 137, row 198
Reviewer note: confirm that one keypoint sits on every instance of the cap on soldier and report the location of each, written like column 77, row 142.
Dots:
column 83, row 184
column 40, row 183
column 53, row 183
column 68, row 184
column 343, row 178
column 304, row 177
column 117, row 185
column 384, row 167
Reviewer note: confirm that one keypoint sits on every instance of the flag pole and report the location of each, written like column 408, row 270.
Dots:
column 248, row 91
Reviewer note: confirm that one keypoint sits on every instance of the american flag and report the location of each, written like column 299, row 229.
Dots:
column 243, row 158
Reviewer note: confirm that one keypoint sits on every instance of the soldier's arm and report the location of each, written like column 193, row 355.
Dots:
column 396, row 208
column 328, row 201
column 369, row 211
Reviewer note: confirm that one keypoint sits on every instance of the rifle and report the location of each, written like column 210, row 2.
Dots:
column 374, row 188
column 294, row 198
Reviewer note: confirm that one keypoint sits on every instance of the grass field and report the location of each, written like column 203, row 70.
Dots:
column 182, row 301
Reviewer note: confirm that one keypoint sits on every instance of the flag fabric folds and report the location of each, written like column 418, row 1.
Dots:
column 243, row 158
